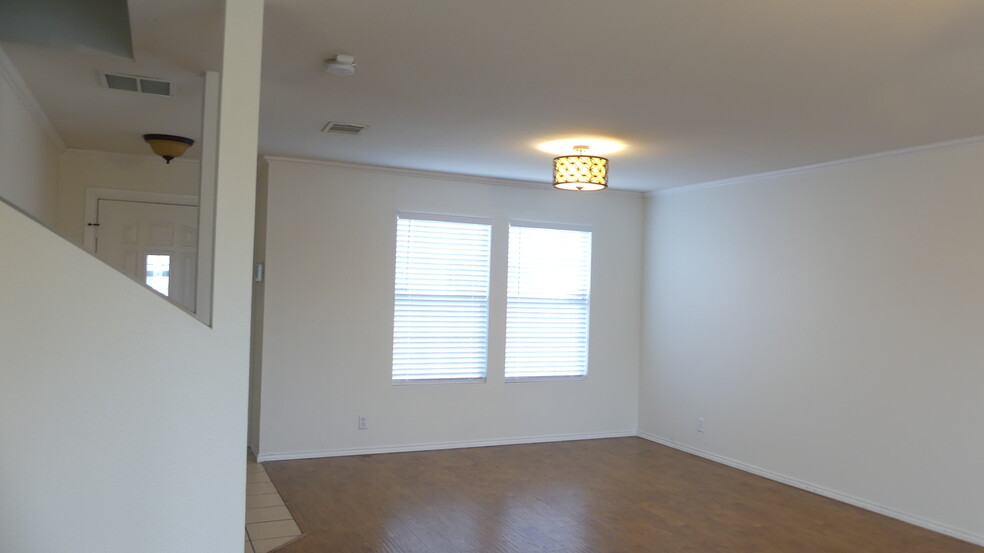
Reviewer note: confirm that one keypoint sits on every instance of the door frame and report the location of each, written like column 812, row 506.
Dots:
column 93, row 195
column 203, row 299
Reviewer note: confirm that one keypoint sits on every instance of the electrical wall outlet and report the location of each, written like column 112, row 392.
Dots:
column 363, row 423
column 700, row 424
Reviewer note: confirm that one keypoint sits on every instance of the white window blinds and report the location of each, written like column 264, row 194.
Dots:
column 549, row 293
column 440, row 323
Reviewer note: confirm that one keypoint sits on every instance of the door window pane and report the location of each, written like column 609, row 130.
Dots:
column 159, row 272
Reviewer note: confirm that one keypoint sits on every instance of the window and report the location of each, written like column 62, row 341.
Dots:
column 548, row 299
column 440, row 322
column 158, row 274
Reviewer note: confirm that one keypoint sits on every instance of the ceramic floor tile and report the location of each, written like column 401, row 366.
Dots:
column 266, row 514
column 268, row 522
column 265, row 546
column 275, row 529
column 263, row 487
column 263, row 500
column 257, row 477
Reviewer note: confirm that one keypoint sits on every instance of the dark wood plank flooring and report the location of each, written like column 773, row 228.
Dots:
column 595, row 496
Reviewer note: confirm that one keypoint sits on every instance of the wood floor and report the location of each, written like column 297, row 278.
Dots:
column 595, row 496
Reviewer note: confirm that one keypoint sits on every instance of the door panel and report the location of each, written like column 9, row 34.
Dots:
column 156, row 244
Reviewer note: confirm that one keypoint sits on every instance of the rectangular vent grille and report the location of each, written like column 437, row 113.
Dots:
column 135, row 83
column 343, row 128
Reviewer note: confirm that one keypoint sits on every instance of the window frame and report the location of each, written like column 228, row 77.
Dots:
column 587, row 316
column 488, row 222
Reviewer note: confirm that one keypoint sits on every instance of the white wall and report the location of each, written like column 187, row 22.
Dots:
column 329, row 316
column 80, row 170
column 28, row 151
column 122, row 418
column 829, row 325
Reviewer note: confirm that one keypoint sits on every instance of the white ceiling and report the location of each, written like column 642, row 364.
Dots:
column 700, row 90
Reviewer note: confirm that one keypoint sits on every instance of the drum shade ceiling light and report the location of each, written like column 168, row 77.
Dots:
column 168, row 146
column 580, row 172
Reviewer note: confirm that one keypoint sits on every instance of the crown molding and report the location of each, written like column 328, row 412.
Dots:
column 436, row 175
column 817, row 166
column 9, row 72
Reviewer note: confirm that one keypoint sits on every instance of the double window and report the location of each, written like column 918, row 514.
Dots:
column 441, row 312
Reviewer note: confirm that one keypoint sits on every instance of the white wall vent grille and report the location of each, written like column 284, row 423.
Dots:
column 136, row 83
column 343, row 128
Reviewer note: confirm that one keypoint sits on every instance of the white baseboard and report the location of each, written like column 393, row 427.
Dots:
column 820, row 490
column 342, row 452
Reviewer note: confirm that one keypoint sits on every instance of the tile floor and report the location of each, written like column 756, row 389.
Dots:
column 269, row 524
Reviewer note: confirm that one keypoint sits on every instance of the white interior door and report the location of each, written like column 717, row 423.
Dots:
column 154, row 243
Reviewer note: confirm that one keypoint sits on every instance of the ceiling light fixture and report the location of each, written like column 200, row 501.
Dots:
column 342, row 64
column 580, row 172
column 168, row 146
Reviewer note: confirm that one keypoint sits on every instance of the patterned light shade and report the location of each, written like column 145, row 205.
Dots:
column 580, row 172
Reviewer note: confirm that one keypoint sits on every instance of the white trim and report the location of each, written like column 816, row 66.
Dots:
column 438, row 175
column 93, row 195
column 343, row 452
column 532, row 379
column 207, row 183
column 9, row 72
column 820, row 490
column 549, row 226
column 443, row 218
column 816, row 166
column 436, row 381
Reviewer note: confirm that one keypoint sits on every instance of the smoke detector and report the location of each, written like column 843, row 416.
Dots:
column 342, row 64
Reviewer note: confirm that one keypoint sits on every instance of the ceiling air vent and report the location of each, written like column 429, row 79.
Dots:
column 135, row 83
column 343, row 128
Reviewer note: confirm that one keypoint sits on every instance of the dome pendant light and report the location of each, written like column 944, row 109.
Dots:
column 580, row 172
column 168, row 146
